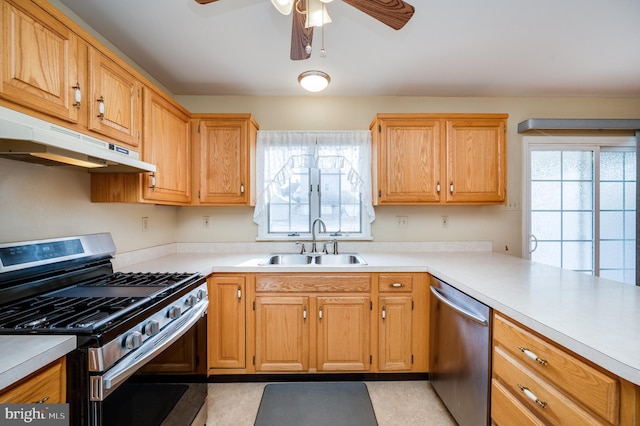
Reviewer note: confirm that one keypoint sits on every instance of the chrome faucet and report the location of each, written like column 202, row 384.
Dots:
column 313, row 232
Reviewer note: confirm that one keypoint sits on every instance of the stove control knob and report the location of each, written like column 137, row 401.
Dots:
column 191, row 300
column 202, row 294
column 151, row 328
column 133, row 340
column 174, row 312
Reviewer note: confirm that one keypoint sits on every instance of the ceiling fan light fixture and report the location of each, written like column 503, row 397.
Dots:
column 314, row 81
column 283, row 6
column 317, row 14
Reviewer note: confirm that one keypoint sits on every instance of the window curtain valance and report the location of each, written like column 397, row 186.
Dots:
column 345, row 150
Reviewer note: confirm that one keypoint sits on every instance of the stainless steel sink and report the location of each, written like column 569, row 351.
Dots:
column 287, row 259
column 346, row 259
column 340, row 259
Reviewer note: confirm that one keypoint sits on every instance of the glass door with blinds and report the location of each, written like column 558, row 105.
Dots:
column 581, row 204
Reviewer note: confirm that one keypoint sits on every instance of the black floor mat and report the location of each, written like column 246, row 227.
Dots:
column 141, row 404
column 316, row 404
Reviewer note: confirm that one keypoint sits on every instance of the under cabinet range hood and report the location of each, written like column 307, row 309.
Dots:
column 30, row 139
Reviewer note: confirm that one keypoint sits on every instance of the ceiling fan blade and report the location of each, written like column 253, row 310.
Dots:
column 206, row 1
column 394, row 13
column 301, row 36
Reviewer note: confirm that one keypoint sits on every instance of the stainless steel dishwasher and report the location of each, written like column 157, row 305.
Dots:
column 460, row 349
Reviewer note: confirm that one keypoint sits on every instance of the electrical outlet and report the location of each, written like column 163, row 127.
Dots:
column 402, row 221
column 512, row 205
column 145, row 224
column 445, row 221
column 206, row 221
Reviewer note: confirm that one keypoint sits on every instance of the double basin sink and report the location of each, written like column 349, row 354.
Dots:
column 295, row 259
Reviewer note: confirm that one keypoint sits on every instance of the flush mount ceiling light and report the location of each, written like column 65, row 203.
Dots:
column 314, row 81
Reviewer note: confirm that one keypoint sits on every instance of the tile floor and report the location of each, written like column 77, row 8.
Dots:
column 401, row 403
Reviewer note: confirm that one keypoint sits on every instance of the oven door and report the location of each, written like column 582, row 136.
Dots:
column 106, row 386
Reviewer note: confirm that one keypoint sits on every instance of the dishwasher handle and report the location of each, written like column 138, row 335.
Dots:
column 458, row 309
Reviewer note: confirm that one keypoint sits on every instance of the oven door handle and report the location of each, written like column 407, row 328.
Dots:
column 102, row 386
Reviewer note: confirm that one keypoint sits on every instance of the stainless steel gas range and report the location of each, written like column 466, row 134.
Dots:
column 121, row 320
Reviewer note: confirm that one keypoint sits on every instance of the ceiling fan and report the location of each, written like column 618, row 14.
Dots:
column 393, row 13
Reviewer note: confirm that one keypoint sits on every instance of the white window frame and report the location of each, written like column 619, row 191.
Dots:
column 559, row 143
column 366, row 215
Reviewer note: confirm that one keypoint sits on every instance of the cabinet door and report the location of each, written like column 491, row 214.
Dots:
column 224, row 162
column 282, row 333
column 409, row 161
column 39, row 61
column 476, row 161
column 167, row 145
column 226, row 316
column 395, row 333
column 115, row 105
column 47, row 385
column 343, row 333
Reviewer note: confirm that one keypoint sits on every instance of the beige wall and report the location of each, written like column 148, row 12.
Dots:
column 41, row 202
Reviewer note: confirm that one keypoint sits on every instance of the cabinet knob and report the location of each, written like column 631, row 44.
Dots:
column 532, row 355
column 77, row 95
column 100, row 101
column 532, row 396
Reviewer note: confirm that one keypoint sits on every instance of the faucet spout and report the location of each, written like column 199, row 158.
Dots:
column 313, row 232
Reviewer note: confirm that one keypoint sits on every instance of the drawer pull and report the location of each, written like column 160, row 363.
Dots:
column 396, row 285
column 532, row 396
column 42, row 401
column 533, row 356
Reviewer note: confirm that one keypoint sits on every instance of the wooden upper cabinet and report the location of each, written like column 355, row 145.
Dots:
column 167, row 144
column 115, row 99
column 476, row 160
column 409, row 160
column 439, row 158
column 225, row 152
column 39, row 61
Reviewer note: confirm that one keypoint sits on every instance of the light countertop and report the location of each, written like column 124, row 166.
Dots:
column 22, row 355
column 598, row 319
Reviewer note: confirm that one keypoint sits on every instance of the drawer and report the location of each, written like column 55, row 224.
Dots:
column 582, row 382
column 294, row 283
column 544, row 399
column 46, row 385
column 506, row 409
column 395, row 283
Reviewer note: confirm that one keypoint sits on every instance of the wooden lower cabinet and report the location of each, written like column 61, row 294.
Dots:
column 535, row 381
column 282, row 333
column 343, row 333
column 47, row 385
column 226, row 320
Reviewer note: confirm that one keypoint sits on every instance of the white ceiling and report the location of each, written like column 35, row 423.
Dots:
column 449, row 48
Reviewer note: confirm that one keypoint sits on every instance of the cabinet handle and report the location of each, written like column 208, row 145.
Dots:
column 533, row 356
column 384, row 312
column 532, row 396
column 77, row 95
column 320, row 313
column 242, row 188
column 100, row 101
column 239, row 292
column 438, row 187
column 153, row 180
column 42, row 401
column 396, row 285
column 304, row 313
column 451, row 188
